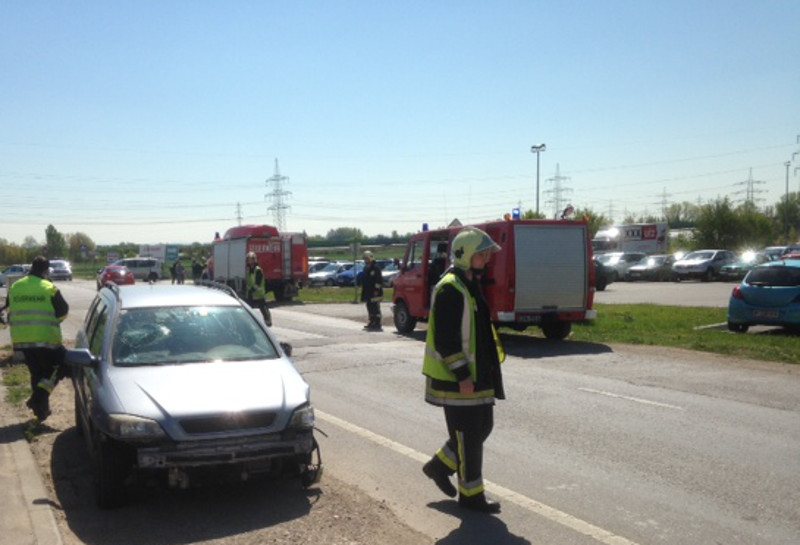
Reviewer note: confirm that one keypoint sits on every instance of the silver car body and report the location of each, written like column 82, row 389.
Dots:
column 212, row 387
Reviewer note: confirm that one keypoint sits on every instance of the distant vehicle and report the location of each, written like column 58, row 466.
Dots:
column 314, row 266
column 283, row 257
column 768, row 295
column 656, row 268
column 389, row 273
column 702, row 264
column 116, row 274
column 327, row 276
column 148, row 269
column 543, row 276
column 13, row 273
column 345, row 278
column 178, row 385
column 647, row 238
column 620, row 262
column 739, row 268
column 774, row 252
column 61, row 270
column 603, row 275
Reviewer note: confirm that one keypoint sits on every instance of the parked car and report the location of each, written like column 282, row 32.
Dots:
column 327, row 276
column 318, row 265
column 702, row 264
column 739, row 268
column 143, row 268
column 179, row 383
column 12, row 273
column 603, row 274
column 774, row 252
column 116, row 274
column 345, row 278
column 657, row 268
column 620, row 262
column 768, row 295
column 389, row 273
column 60, row 270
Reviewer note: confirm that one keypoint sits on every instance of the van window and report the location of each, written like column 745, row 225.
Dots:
column 415, row 255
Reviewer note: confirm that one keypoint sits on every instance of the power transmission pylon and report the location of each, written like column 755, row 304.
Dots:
column 558, row 192
column 278, row 206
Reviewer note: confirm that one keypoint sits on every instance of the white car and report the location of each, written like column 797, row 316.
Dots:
column 620, row 262
column 327, row 276
column 13, row 273
column 702, row 264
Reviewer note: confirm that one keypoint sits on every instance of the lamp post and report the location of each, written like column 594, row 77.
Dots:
column 786, row 205
column 537, row 149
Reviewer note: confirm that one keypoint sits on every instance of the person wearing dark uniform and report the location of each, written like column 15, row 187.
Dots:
column 256, row 287
column 372, row 292
column 462, row 370
column 35, row 314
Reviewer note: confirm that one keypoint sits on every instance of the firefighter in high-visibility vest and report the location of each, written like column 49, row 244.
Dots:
column 371, row 291
column 462, row 369
column 35, row 314
column 256, row 287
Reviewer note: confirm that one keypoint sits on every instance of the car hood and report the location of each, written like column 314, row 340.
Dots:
column 190, row 390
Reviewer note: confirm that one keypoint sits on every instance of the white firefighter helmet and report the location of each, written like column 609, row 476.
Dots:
column 252, row 255
column 468, row 242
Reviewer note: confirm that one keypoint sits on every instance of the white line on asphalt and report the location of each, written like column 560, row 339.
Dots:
column 636, row 399
column 550, row 513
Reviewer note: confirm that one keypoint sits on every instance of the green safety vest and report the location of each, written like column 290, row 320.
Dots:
column 32, row 316
column 439, row 368
column 260, row 291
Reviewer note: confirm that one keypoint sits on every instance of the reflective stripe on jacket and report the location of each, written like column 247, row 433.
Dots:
column 259, row 290
column 439, row 368
column 32, row 316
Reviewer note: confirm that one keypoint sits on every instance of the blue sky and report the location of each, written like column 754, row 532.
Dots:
column 160, row 121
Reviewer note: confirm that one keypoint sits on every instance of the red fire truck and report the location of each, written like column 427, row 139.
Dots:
column 543, row 276
column 282, row 256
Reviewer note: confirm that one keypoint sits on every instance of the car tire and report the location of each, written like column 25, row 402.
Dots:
column 329, row 282
column 708, row 276
column 111, row 468
column 556, row 330
column 403, row 321
column 738, row 328
column 78, row 419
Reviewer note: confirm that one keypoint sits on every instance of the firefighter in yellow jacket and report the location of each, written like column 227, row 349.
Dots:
column 256, row 287
column 462, row 369
column 36, row 310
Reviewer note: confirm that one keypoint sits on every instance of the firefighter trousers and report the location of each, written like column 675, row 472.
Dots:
column 46, row 367
column 468, row 428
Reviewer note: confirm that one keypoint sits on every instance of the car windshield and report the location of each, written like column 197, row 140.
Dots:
column 333, row 267
column 774, row 276
column 175, row 335
column 655, row 261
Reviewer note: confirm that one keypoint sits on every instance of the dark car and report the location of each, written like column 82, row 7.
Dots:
column 116, row 274
column 603, row 275
column 178, row 385
column 739, row 268
column 656, row 268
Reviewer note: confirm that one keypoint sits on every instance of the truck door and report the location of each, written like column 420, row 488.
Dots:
column 416, row 283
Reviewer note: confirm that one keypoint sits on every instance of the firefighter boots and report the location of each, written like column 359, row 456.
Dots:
column 479, row 503
column 439, row 474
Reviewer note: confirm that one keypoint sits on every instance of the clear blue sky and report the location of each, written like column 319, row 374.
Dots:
column 153, row 121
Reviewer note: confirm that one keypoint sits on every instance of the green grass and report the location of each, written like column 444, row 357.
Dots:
column 682, row 327
column 325, row 294
column 17, row 382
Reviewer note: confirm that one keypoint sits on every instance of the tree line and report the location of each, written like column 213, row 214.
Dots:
column 717, row 224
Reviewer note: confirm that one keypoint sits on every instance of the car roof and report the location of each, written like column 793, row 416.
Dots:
column 178, row 295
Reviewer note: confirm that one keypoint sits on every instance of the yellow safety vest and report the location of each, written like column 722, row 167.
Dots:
column 32, row 316
column 260, row 291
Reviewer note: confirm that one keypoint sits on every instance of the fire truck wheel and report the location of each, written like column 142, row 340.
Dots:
column 403, row 321
column 556, row 330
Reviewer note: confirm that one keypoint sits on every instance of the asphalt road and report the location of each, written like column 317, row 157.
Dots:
column 595, row 444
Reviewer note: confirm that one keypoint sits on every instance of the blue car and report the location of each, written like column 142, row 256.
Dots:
column 345, row 278
column 768, row 295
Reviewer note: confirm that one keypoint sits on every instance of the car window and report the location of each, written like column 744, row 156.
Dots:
column 97, row 329
column 774, row 276
column 415, row 255
column 175, row 335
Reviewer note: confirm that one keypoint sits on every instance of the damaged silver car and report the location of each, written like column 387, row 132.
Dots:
column 182, row 382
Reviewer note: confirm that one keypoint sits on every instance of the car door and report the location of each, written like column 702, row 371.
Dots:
column 87, row 380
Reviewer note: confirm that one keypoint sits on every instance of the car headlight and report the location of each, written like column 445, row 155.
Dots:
column 125, row 426
column 302, row 418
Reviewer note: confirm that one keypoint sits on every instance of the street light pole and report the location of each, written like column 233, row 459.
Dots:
column 537, row 149
column 786, row 205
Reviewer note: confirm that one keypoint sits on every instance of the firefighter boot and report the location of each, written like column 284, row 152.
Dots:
column 479, row 503
column 267, row 316
column 39, row 404
column 439, row 474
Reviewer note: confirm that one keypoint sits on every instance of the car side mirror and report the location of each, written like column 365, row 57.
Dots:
column 287, row 349
column 80, row 358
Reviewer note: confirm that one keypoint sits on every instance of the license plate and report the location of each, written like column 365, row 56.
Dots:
column 766, row 314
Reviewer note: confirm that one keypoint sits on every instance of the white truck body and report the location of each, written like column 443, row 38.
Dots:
column 648, row 238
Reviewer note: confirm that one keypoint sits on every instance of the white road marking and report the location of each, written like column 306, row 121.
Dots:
column 635, row 399
column 550, row 513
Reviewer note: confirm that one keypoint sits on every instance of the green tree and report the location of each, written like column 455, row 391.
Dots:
column 81, row 246
column 56, row 246
column 345, row 234
column 718, row 225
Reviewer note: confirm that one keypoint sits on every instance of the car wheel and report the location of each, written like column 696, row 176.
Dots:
column 556, row 330
column 403, row 321
column 329, row 282
column 111, row 467
column 738, row 328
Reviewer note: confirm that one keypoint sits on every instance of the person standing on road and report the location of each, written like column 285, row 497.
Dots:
column 372, row 292
column 462, row 370
column 36, row 311
column 256, row 287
